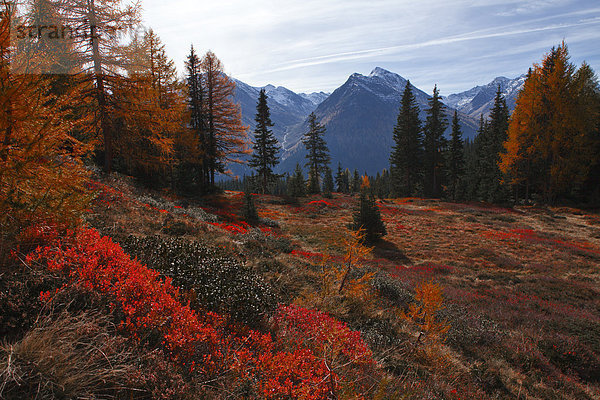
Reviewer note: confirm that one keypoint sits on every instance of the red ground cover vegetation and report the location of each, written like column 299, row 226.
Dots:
column 308, row 355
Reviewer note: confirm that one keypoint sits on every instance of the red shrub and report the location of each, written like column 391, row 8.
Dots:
column 148, row 303
column 340, row 351
column 315, row 355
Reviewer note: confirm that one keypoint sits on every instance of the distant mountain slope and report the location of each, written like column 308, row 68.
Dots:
column 480, row 99
column 288, row 109
column 360, row 116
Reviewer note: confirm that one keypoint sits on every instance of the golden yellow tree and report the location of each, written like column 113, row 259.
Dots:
column 355, row 251
column 41, row 173
column 98, row 27
column 337, row 280
column 553, row 127
column 428, row 301
column 149, row 110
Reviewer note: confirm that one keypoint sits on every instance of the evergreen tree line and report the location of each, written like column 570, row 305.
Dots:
column 548, row 150
column 424, row 163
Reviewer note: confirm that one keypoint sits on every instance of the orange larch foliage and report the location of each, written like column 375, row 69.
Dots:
column 149, row 109
column 550, row 135
column 428, row 301
column 41, row 173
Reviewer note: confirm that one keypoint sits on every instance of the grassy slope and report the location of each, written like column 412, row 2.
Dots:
column 520, row 285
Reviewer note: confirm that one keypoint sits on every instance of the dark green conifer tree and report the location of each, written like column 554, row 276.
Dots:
column 264, row 158
column 248, row 211
column 317, row 150
column 455, row 159
column 312, row 186
column 474, row 157
column 192, row 173
column 489, row 144
column 328, row 183
column 407, row 151
column 367, row 216
column 296, row 185
column 341, row 180
column 434, row 145
column 355, row 182
column 493, row 190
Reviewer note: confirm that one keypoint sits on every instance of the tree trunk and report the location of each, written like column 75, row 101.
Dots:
column 9, row 121
column 100, row 90
column 345, row 277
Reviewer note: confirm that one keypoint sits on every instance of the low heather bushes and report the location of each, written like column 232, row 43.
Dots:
column 219, row 282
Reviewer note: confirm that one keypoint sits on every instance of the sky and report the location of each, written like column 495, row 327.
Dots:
column 314, row 45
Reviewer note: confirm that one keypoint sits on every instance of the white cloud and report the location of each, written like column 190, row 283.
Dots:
column 315, row 44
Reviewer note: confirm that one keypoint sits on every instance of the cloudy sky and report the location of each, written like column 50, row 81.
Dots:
column 314, row 45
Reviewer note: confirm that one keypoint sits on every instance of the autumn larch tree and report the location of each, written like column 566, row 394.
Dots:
column 264, row 158
column 42, row 178
column 100, row 25
column 407, row 152
column 227, row 137
column 149, row 111
column 317, row 150
column 434, row 145
column 455, row 158
column 553, row 132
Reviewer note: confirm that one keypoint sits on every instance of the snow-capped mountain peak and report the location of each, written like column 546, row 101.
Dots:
column 480, row 99
column 315, row 97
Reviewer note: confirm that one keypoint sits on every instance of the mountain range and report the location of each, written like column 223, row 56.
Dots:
column 480, row 99
column 359, row 116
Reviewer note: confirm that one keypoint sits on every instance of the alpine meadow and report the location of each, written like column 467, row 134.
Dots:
column 170, row 231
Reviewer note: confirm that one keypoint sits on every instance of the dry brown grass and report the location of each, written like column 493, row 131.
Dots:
column 67, row 356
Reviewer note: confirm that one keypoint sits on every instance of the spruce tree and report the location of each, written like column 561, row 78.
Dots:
column 313, row 186
column 192, row 168
column 327, row 183
column 248, row 212
column 341, row 180
column 407, row 152
column 455, row 158
column 366, row 216
column 468, row 186
column 475, row 155
column 491, row 146
column 355, row 182
column 434, row 144
column 264, row 157
column 317, row 150
column 296, row 184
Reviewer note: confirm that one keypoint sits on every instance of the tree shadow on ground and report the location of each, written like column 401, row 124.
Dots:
column 390, row 251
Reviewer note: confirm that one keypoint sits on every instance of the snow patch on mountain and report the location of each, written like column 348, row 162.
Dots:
column 480, row 99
